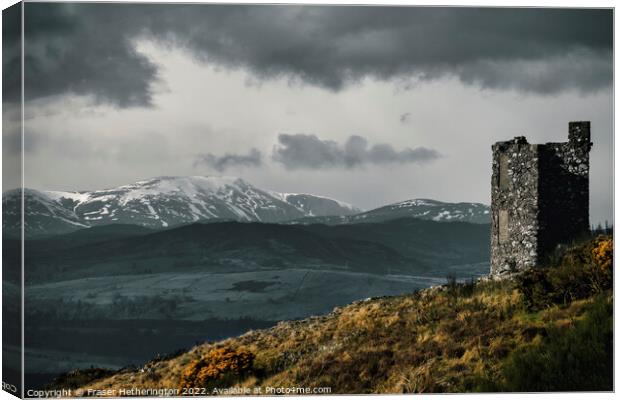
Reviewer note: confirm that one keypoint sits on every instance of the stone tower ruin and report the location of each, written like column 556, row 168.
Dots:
column 539, row 198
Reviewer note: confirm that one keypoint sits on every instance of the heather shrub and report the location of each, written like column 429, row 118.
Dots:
column 583, row 270
column 219, row 368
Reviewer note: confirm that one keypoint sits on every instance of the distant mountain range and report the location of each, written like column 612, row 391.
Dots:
column 165, row 202
column 426, row 209
column 162, row 202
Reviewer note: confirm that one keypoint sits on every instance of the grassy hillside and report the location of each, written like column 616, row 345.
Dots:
column 546, row 329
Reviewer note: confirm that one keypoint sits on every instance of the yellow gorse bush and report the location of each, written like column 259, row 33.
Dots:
column 220, row 366
column 602, row 254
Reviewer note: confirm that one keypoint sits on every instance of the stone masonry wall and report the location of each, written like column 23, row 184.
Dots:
column 539, row 198
column 564, row 189
column 514, row 205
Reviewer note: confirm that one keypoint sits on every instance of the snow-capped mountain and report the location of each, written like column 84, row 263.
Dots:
column 44, row 214
column 429, row 209
column 317, row 206
column 433, row 210
column 163, row 202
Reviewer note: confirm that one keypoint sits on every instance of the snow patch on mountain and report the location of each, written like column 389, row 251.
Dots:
column 77, row 197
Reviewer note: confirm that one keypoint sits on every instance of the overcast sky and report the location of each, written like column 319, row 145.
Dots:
column 369, row 105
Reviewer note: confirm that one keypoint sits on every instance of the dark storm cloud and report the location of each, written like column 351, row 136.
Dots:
column 70, row 50
column 308, row 151
column 87, row 48
column 582, row 70
column 221, row 163
column 11, row 45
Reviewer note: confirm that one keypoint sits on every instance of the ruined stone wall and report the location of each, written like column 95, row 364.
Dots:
column 564, row 189
column 514, row 205
column 539, row 198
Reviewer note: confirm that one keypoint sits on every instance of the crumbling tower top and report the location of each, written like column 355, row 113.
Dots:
column 579, row 132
